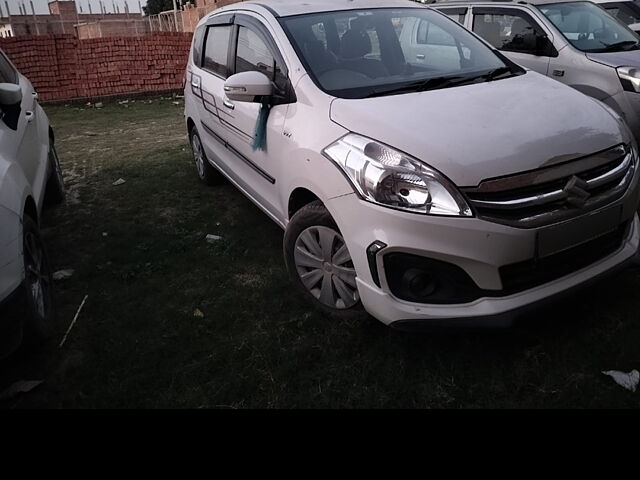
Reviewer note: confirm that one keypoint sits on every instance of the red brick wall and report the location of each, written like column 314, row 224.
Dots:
column 61, row 67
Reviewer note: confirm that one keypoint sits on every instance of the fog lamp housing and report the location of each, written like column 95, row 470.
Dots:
column 425, row 280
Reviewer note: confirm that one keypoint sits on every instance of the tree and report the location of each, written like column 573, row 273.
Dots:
column 156, row 6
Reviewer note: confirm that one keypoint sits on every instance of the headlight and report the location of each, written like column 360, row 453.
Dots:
column 630, row 78
column 385, row 176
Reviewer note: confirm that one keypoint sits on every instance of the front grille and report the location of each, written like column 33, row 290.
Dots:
column 531, row 273
column 557, row 193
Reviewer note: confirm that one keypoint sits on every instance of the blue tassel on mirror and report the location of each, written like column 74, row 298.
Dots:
column 260, row 136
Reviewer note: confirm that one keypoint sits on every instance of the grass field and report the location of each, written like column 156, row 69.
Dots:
column 139, row 253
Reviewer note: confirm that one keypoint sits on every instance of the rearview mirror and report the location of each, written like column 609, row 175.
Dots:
column 248, row 87
column 10, row 94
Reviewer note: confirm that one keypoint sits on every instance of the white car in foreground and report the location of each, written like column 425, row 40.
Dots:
column 418, row 173
column 29, row 174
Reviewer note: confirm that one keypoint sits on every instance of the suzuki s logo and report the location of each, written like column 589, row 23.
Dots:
column 576, row 190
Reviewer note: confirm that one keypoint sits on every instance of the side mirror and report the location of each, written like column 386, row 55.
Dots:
column 248, row 87
column 10, row 94
column 10, row 98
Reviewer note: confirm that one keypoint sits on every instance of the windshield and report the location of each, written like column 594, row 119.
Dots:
column 375, row 52
column 589, row 28
column 627, row 12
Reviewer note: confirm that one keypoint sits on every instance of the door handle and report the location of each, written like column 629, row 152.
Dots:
column 558, row 73
column 29, row 115
column 420, row 56
column 34, row 95
column 228, row 104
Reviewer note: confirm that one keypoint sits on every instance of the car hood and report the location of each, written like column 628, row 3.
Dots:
column 617, row 59
column 481, row 131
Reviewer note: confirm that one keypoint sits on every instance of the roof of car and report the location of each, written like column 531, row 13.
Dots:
column 285, row 8
column 439, row 3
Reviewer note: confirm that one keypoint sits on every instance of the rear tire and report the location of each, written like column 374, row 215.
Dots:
column 55, row 191
column 320, row 265
column 206, row 172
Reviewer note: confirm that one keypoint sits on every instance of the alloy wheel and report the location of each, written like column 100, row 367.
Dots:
column 198, row 155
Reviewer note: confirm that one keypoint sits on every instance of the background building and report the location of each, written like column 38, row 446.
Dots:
column 64, row 17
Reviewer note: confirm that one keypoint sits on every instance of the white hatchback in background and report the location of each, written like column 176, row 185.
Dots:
column 29, row 172
column 437, row 183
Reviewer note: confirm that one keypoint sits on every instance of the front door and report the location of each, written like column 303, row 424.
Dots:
column 515, row 33
column 260, row 164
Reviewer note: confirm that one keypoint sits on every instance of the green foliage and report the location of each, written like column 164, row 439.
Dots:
column 156, row 6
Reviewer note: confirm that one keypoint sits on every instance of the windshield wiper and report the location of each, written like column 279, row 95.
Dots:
column 495, row 74
column 442, row 82
column 419, row 86
column 624, row 46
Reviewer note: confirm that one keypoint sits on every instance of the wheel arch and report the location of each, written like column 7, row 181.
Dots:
column 298, row 198
column 190, row 125
column 30, row 209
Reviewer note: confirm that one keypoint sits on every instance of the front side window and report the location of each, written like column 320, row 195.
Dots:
column 372, row 52
column 216, row 50
column 589, row 28
column 253, row 54
column 454, row 14
column 512, row 31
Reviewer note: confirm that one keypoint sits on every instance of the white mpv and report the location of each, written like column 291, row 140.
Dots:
column 29, row 175
column 419, row 174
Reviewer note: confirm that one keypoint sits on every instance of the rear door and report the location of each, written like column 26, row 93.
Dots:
column 212, row 50
column 515, row 33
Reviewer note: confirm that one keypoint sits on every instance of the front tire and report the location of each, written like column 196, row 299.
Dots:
column 206, row 172
column 319, row 263
column 38, row 285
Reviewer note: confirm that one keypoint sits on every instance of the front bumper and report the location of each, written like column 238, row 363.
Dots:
column 477, row 246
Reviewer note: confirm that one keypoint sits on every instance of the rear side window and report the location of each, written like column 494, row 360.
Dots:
column 512, row 32
column 7, row 73
column 198, row 38
column 216, row 50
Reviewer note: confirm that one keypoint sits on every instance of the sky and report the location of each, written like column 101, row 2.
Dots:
column 41, row 6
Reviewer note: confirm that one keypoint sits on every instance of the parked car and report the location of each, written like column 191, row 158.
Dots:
column 627, row 11
column 576, row 43
column 29, row 174
column 439, row 184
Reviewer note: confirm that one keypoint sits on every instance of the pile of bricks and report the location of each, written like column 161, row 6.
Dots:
column 62, row 67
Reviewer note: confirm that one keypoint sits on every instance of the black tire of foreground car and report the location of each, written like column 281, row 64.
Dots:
column 55, row 191
column 319, row 263
column 38, row 286
column 207, row 173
